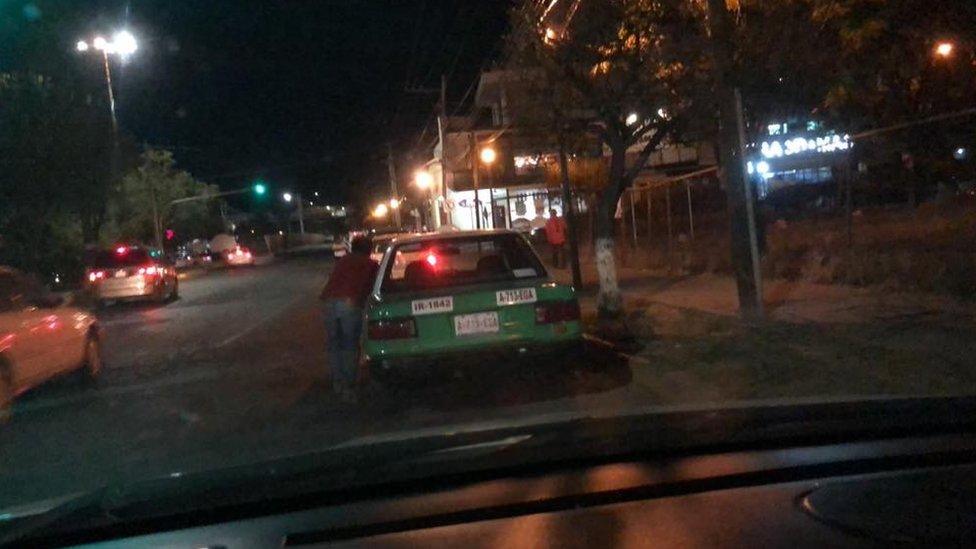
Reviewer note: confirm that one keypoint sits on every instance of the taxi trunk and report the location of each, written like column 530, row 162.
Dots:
column 522, row 317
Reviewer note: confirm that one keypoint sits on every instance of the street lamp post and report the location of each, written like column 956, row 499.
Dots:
column 486, row 155
column 123, row 44
column 288, row 197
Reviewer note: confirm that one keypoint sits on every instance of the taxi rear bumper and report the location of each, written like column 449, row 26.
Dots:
column 488, row 358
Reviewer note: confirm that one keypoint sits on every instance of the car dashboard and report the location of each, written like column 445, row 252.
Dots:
column 848, row 494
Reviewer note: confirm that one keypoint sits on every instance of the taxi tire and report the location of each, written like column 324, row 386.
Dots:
column 174, row 294
column 92, row 362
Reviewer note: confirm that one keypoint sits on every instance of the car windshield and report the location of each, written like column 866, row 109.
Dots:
column 445, row 262
column 251, row 233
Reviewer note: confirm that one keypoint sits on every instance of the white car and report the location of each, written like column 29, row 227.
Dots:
column 41, row 337
column 238, row 256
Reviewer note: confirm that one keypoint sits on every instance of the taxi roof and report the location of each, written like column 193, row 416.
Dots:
column 426, row 237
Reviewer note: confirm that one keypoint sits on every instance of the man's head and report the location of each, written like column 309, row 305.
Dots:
column 361, row 245
column 552, row 213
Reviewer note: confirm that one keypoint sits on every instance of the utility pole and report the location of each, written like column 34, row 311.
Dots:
column 569, row 211
column 745, row 256
column 301, row 214
column 474, row 179
column 393, row 182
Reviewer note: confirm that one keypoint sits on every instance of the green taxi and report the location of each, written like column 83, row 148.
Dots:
column 465, row 294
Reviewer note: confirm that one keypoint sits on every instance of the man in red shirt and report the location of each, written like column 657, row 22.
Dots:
column 556, row 236
column 345, row 295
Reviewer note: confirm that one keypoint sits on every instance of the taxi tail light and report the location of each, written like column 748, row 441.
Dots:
column 557, row 311
column 397, row 328
column 151, row 270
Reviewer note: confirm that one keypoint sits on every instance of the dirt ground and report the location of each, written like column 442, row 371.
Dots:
column 817, row 341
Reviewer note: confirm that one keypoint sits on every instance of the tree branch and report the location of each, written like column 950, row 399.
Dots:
column 662, row 131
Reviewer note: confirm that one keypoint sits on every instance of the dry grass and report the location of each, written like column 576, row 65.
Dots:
column 932, row 249
column 695, row 357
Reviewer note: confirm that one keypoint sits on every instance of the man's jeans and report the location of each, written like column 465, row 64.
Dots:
column 558, row 255
column 343, row 326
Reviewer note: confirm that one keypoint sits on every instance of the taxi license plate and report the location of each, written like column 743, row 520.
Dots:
column 121, row 273
column 477, row 323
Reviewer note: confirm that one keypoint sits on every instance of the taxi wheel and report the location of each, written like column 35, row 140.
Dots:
column 6, row 391
column 92, row 365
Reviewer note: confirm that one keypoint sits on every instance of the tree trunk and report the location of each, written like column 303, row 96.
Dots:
column 609, row 300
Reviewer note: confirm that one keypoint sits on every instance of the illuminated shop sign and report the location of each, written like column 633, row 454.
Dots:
column 800, row 145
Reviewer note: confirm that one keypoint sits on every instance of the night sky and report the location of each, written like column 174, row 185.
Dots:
column 303, row 92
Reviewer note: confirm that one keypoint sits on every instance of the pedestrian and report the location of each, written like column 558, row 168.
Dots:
column 556, row 236
column 344, row 296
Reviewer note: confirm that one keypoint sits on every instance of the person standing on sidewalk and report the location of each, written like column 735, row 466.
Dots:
column 344, row 296
column 556, row 236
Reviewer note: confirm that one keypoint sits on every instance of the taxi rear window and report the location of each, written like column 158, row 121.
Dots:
column 112, row 259
column 460, row 261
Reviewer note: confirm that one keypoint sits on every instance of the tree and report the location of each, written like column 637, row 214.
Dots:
column 54, row 151
column 626, row 70
column 860, row 65
column 145, row 206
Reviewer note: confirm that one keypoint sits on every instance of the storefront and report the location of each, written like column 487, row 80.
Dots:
column 792, row 153
column 524, row 208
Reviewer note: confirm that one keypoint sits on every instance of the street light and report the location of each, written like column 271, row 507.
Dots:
column 286, row 197
column 423, row 179
column 123, row 44
column 380, row 210
column 631, row 119
column 394, row 203
column 944, row 49
column 488, row 155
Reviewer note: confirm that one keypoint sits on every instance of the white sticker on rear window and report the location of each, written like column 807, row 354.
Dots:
column 524, row 273
column 433, row 305
column 516, row 295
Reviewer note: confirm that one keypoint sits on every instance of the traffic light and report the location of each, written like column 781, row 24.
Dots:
column 260, row 188
column 170, row 233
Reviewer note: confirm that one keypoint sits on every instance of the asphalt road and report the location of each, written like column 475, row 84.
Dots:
column 234, row 372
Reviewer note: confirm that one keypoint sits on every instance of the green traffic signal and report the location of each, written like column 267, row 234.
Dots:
column 260, row 189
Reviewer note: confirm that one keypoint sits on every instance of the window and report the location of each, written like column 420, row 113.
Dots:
column 459, row 261
column 16, row 291
column 114, row 259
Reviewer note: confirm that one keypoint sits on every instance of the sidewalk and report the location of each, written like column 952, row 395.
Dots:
column 789, row 301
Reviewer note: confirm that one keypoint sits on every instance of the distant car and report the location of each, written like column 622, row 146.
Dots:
column 449, row 295
column 41, row 337
column 132, row 273
column 238, row 256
